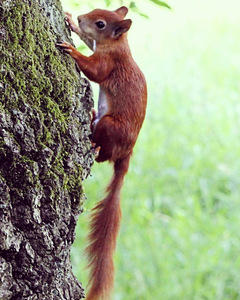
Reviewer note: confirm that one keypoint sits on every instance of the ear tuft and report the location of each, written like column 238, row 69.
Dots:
column 122, row 11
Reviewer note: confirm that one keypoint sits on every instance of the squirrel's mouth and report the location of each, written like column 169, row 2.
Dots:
column 86, row 30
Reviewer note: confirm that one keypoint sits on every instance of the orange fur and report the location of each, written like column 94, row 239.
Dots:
column 102, row 238
column 115, row 128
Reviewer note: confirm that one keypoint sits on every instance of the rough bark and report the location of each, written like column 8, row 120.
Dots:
column 44, row 152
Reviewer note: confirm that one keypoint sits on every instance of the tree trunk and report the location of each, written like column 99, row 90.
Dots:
column 44, row 152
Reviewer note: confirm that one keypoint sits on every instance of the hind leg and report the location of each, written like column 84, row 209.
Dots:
column 95, row 149
column 111, row 135
column 102, row 137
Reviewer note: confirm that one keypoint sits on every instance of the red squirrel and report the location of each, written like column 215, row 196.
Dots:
column 115, row 127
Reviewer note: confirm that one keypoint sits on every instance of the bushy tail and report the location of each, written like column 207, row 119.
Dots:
column 104, row 224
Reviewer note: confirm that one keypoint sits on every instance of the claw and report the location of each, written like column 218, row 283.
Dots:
column 66, row 46
column 93, row 118
column 71, row 23
column 63, row 44
column 68, row 15
column 96, row 151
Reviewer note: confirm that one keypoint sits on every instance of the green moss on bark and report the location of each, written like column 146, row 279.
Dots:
column 44, row 149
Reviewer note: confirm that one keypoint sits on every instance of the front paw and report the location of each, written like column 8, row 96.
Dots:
column 67, row 47
column 71, row 23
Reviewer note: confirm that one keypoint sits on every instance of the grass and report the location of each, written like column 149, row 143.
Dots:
column 180, row 230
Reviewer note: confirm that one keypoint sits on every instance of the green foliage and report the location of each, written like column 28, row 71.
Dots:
column 134, row 8
column 161, row 3
column 132, row 4
column 180, row 229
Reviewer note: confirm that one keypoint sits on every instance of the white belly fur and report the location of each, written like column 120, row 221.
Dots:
column 102, row 105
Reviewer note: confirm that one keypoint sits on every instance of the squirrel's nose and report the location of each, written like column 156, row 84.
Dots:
column 79, row 19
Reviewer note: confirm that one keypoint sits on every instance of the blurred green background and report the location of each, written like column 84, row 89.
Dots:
column 180, row 230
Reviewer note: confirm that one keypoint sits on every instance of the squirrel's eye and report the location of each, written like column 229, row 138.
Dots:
column 100, row 24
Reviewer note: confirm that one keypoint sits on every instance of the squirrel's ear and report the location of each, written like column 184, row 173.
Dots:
column 121, row 27
column 122, row 11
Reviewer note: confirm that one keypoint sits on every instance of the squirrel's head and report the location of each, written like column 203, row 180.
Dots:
column 103, row 25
